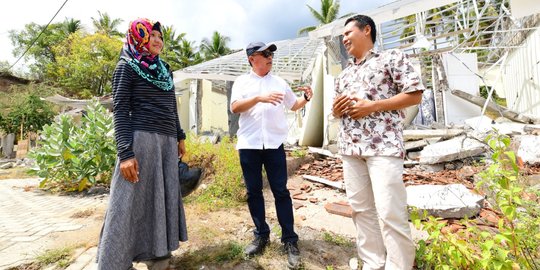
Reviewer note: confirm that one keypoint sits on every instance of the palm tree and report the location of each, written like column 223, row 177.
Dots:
column 71, row 26
column 187, row 55
column 329, row 13
column 215, row 47
column 107, row 26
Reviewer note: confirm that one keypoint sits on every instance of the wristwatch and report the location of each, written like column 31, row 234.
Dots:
column 306, row 97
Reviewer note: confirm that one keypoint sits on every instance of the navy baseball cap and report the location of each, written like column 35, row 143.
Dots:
column 259, row 47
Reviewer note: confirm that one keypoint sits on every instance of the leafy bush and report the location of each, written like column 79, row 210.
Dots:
column 76, row 156
column 225, row 187
column 514, row 244
column 29, row 112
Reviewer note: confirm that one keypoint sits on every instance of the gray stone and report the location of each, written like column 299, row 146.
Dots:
column 445, row 201
column 528, row 148
column 7, row 166
column 453, row 149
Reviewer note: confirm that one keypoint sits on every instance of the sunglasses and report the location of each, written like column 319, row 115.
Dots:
column 266, row 54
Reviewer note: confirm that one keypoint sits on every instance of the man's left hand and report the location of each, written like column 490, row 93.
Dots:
column 361, row 108
column 307, row 90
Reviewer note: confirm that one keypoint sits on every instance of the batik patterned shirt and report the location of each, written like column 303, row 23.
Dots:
column 381, row 75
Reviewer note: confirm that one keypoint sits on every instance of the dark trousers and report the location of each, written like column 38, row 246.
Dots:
column 275, row 166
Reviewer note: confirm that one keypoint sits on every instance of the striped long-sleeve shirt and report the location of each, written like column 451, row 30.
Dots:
column 139, row 105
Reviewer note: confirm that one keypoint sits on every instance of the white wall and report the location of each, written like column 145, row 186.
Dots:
column 460, row 69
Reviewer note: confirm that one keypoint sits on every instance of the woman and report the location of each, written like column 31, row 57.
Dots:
column 145, row 219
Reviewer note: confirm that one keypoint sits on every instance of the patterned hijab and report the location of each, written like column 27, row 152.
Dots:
column 136, row 52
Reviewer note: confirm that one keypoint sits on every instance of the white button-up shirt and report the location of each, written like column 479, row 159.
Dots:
column 264, row 125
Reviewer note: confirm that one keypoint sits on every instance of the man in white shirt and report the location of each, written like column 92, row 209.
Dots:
column 261, row 99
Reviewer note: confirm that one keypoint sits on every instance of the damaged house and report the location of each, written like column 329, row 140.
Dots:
column 470, row 53
column 460, row 48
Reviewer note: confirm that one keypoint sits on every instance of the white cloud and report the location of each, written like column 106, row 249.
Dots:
column 241, row 20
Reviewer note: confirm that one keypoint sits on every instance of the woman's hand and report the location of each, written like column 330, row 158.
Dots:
column 130, row 170
column 181, row 148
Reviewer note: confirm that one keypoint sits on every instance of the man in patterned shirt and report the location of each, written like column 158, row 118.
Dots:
column 371, row 94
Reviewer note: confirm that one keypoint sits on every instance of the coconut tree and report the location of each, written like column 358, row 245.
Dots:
column 215, row 47
column 187, row 55
column 328, row 13
column 106, row 25
column 71, row 26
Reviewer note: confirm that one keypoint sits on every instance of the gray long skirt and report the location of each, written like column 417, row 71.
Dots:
column 144, row 220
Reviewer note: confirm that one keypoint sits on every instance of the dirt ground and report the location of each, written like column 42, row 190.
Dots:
column 216, row 239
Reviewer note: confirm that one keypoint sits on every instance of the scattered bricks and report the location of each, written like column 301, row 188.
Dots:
column 302, row 217
column 345, row 203
column 301, row 197
column 313, row 200
column 452, row 228
column 306, row 187
column 298, row 205
column 489, row 215
column 338, row 209
column 296, row 192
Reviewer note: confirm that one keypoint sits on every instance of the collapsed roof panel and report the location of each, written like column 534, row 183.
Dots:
column 291, row 61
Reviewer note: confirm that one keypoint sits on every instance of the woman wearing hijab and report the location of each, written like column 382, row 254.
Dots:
column 145, row 217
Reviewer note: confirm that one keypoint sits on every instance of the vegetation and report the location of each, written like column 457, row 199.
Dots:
column 215, row 47
column 328, row 13
column 515, row 244
column 222, row 169
column 23, row 111
column 74, row 157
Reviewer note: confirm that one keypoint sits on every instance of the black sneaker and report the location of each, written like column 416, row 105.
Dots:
column 293, row 254
column 256, row 247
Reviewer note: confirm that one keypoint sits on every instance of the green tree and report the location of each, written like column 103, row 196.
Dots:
column 28, row 114
column 328, row 13
column 104, row 24
column 41, row 51
column 85, row 64
column 215, row 47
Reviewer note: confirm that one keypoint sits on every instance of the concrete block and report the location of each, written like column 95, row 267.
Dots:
column 453, row 149
column 445, row 201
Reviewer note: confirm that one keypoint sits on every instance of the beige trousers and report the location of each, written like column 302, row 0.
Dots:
column 377, row 195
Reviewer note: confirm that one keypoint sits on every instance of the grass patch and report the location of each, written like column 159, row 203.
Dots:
column 337, row 239
column 226, row 253
column 61, row 257
column 223, row 174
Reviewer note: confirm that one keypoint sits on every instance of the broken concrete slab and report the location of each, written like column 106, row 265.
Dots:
column 445, row 201
column 453, row 149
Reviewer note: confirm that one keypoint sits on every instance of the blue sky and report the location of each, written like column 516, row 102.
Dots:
column 241, row 20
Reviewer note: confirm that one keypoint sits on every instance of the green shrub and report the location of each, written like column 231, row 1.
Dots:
column 225, row 187
column 74, row 157
column 514, row 244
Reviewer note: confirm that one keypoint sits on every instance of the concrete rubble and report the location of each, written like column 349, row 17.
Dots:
column 438, row 174
column 445, row 201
